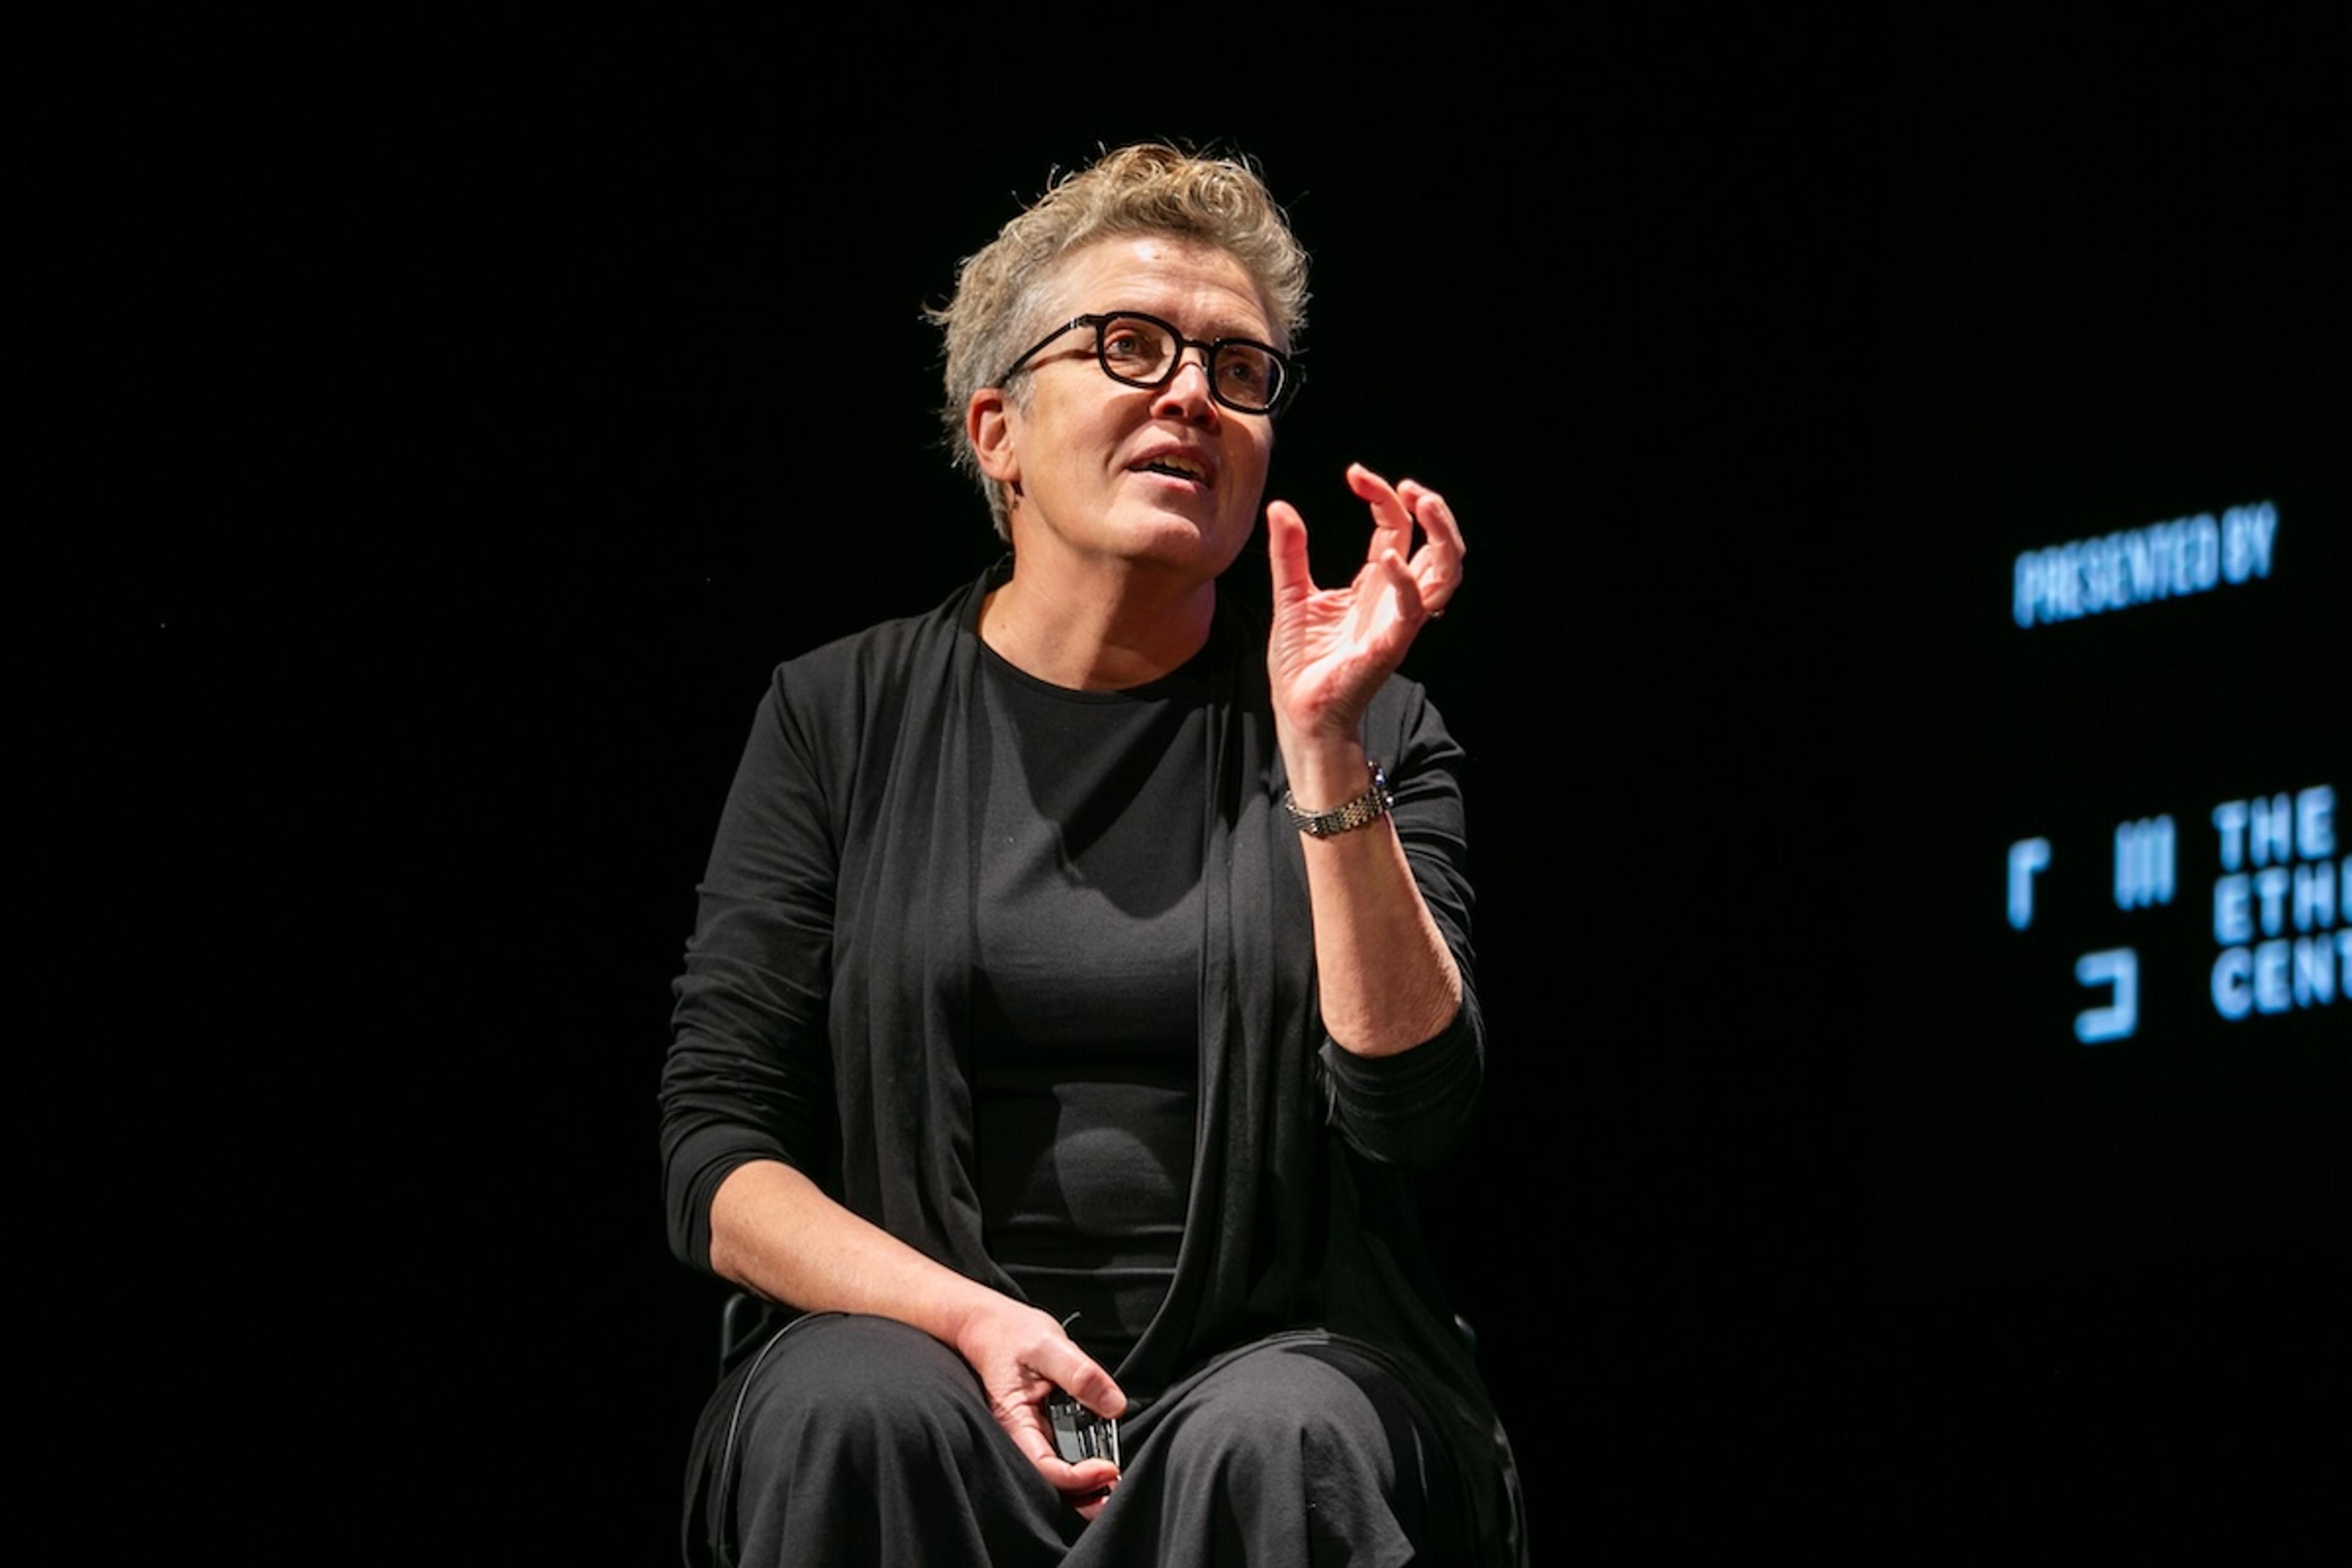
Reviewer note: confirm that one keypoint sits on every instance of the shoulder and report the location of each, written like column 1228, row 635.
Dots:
column 890, row 645
column 876, row 668
column 828, row 712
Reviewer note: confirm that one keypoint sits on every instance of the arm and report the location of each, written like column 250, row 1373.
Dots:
column 1412, row 1109
column 748, row 1106
column 1387, row 980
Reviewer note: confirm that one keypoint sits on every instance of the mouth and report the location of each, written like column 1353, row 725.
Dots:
column 1176, row 464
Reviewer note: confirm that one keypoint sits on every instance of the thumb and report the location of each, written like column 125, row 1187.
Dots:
column 1285, row 551
column 1078, row 1374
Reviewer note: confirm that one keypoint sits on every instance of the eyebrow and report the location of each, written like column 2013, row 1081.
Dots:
column 1220, row 334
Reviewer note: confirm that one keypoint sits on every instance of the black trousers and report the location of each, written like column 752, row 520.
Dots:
column 860, row 1440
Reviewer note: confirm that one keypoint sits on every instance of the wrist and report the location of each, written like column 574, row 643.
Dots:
column 1360, row 810
column 1325, row 771
column 963, row 1311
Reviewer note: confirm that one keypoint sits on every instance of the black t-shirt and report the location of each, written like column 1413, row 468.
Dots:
column 1085, row 1004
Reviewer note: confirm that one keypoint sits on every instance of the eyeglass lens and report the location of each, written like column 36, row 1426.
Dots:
column 1144, row 353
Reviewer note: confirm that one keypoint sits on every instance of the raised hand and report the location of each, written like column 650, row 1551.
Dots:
column 1021, row 1355
column 1331, row 647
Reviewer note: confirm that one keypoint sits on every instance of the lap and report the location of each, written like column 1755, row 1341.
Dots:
column 851, row 1438
column 859, row 1439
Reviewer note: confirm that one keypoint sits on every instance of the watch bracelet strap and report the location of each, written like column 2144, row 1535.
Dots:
column 1366, row 809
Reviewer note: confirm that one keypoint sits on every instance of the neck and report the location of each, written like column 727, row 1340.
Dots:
column 1102, row 637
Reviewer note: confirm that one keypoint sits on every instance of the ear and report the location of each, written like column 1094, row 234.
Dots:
column 988, row 421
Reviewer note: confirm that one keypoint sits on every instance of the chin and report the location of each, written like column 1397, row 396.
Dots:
column 1184, row 545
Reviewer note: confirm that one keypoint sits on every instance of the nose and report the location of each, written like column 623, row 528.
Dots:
column 1185, row 393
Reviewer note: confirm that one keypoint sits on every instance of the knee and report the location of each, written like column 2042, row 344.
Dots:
column 861, row 1440
column 1288, row 1409
column 865, row 1392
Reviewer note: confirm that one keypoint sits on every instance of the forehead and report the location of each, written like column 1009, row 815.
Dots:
column 1204, row 290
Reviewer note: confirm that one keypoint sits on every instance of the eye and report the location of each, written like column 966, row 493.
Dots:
column 1248, row 373
column 1134, row 348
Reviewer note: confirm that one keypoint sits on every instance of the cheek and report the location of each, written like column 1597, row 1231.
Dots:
column 1254, row 459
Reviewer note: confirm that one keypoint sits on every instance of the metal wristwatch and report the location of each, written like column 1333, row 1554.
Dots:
column 1369, row 806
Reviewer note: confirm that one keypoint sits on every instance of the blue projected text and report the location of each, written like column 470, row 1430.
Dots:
column 2278, row 910
column 2279, row 882
column 2139, row 565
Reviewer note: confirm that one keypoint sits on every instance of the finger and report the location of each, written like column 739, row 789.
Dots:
column 1410, row 604
column 1390, row 517
column 1077, row 1480
column 1089, row 1503
column 1368, row 486
column 1080, row 1376
column 1436, row 518
column 1438, row 563
column 1091, row 1476
column 1031, row 1435
column 1086, row 1479
column 1285, row 551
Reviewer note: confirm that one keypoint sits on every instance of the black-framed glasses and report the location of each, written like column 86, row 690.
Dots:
column 1137, row 350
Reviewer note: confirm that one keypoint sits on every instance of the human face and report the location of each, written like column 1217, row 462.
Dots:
column 1165, row 478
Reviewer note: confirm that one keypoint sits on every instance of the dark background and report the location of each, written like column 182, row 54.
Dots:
column 447, row 433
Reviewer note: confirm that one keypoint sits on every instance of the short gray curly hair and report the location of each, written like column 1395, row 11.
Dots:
column 1150, row 189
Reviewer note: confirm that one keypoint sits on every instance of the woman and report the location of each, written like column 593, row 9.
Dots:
column 1079, row 973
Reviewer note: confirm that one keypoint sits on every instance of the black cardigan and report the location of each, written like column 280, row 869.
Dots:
column 820, row 1019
